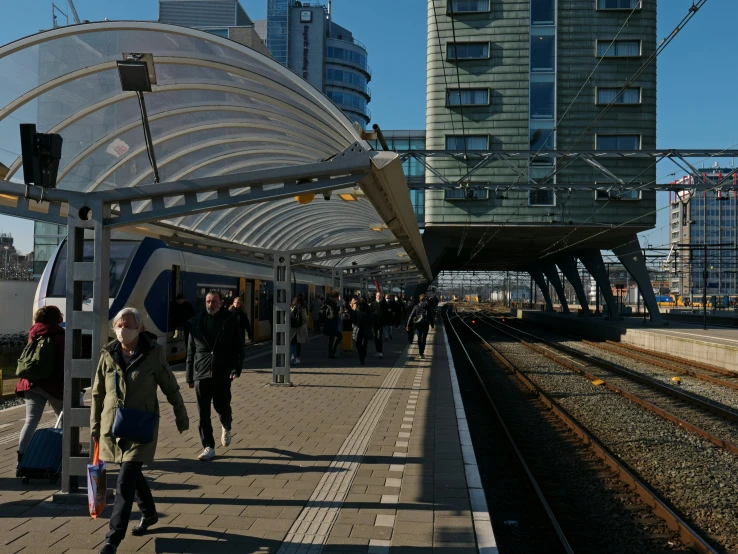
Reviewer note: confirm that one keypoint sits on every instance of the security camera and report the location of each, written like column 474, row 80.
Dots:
column 327, row 194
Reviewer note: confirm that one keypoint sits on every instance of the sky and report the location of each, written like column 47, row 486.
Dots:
column 696, row 75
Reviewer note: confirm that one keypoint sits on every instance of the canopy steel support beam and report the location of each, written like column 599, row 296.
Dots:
column 280, row 320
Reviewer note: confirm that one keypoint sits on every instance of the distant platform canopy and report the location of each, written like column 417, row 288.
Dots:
column 217, row 109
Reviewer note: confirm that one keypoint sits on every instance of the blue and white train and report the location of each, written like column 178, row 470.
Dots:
column 148, row 274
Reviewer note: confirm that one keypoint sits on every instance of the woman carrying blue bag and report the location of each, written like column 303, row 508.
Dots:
column 124, row 417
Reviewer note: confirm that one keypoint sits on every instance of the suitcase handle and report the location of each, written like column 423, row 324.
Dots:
column 59, row 421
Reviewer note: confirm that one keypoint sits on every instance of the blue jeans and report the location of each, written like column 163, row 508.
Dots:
column 388, row 331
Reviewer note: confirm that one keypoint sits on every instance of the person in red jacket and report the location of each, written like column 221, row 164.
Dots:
column 47, row 322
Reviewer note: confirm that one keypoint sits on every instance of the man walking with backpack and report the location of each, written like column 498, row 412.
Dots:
column 332, row 329
column 422, row 316
column 214, row 358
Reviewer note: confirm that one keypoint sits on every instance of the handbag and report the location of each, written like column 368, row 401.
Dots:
column 133, row 425
column 96, row 484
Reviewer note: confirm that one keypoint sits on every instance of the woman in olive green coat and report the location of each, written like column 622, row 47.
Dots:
column 130, row 370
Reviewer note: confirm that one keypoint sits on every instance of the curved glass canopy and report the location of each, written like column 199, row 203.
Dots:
column 217, row 108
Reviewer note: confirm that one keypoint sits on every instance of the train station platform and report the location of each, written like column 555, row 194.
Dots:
column 717, row 346
column 353, row 458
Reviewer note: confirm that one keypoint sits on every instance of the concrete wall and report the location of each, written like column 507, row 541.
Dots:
column 17, row 306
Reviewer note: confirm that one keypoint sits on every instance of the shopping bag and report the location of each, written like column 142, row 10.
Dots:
column 96, row 483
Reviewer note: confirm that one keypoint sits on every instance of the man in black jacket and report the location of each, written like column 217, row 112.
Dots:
column 214, row 358
column 379, row 311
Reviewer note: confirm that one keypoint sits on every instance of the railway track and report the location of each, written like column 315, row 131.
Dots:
column 700, row 415
column 588, row 463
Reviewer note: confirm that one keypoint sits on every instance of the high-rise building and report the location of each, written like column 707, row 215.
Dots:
column 704, row 222
column 303, row 37
column 225, row 18
column 502, row 75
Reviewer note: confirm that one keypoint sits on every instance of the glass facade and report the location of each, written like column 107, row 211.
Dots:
column 346, row 77
column 467, row 6
column 278, row 18
column 542, row 98
column 414, row 169
column 338, row 53
column 466, row 142
column 618, row 4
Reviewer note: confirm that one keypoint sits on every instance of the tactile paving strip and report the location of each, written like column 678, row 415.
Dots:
column 310, row 531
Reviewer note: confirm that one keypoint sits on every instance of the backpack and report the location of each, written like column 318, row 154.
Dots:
column 422, row 315
column 327, row 311
column 296, row 317
column 36, row 362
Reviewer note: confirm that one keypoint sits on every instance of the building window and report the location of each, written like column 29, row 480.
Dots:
column 675, row 235
column 468, row 142
column 467, row 50
column 542, row 53
column 619, row 48
column 542, row 139
column 630, row 96
column 618, row 4
column 542, row 100
column 466, row 194
column 541, row 197
column 467, row 97
column 617, row 194
column 618, row 142
column 542, row 12
column 467, row 6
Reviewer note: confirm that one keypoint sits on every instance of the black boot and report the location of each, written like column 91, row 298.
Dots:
column 144, row 525
column 108, row 548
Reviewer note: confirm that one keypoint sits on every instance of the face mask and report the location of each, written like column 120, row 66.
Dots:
column 125, row 335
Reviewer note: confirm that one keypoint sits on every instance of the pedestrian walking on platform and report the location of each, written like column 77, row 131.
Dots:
column 331, row 319
column 315, row 309
column 37, row 392
column 410, row 328
column 389, row 317
column 131, row 369
column 378, row 308
column 362, row 327
column 396, row 307
column 298, row 328
column 422, row 317
column 214, row 358
column 237, row 309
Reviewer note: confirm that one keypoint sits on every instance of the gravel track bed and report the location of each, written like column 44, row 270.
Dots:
column 581, row 490
column 726, row 430
column 698, row 478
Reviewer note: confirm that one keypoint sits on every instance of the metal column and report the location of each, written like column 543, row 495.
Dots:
column 553, row 277
column 281, row 320
column 568, row 267
column 592, row 261
column 631, row 256
column 86, row 330
column 537, row 276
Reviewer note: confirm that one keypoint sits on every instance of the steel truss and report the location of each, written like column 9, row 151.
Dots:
column 97, row 213
column 552, row 160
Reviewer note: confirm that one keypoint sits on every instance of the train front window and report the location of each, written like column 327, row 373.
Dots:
column 121, row 252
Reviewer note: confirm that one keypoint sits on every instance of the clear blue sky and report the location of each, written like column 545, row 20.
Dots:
column 696, row 76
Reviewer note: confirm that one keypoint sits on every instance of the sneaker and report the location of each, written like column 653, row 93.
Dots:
column 379, row 355
column 422, row 356
column 207, row 454
column 292, row 359
column 298, row 361
column 225, row 437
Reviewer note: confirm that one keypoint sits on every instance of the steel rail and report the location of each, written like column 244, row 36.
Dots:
column 529, row 474
column 730, row 447
column 725, row 413
column 682, row 361
column 696, row 374
column 688, row 535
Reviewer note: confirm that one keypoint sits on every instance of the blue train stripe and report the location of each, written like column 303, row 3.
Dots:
column 143, row 253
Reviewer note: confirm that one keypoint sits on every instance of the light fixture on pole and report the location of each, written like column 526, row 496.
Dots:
column 136, row 75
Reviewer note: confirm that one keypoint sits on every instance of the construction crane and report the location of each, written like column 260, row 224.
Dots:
column 55, row 8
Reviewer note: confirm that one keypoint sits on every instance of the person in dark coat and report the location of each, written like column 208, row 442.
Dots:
column 331, row 320
column 409, row 305
column 182, row 312
column 47, row 323
column 362, row 327
column 379, row 312
column 423, row 316
column 238, row 310
column 214, row 358
column 396, row 308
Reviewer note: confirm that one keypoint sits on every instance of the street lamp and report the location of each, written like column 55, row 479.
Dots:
column 135, row 77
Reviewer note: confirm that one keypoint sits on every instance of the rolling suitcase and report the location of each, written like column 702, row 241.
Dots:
column 347, row 342
column 43, row 457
